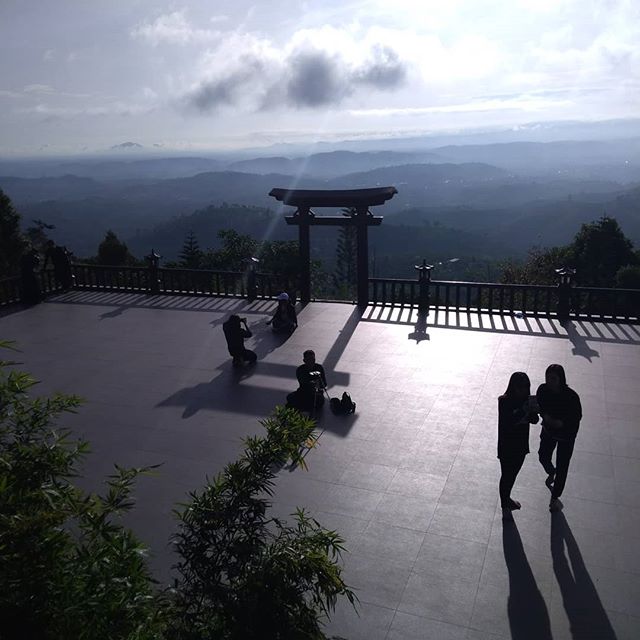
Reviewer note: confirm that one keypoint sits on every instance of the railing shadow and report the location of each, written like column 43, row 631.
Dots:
column 578, row 331
column 584, row 609
column 124, row 301
column 526, row 608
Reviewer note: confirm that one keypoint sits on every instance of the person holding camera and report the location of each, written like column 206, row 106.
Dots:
column 312, row 383
column 516, row 412
column 235, row 331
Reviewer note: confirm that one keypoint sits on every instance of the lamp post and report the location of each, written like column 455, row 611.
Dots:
column 565, row 275
column 424, row 279
column 153, row 262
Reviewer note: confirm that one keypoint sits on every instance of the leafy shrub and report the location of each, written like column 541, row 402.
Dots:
column 69, row 570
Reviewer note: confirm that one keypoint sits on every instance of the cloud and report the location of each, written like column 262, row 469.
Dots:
column 174, row 28
column 50, row 112
column 315, row 80
column 260, row 76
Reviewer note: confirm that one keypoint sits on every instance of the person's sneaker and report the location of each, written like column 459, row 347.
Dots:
column 555, row 505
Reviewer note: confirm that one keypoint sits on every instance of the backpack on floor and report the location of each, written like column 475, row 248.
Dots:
column 342, row 406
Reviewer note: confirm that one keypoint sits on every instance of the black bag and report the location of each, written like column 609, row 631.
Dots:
column 342, row 406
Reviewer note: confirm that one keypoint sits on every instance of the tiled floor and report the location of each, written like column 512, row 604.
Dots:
column 410, row 480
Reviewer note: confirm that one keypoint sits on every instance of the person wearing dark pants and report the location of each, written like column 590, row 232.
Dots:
column 514, row 417
column 561, row 412
column 312, row 382
column 235, row 331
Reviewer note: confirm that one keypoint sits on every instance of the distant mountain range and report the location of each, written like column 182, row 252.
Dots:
column 509, row 195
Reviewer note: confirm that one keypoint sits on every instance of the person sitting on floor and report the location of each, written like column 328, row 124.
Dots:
column 312, row 380
column 284, row 319
column 235, row 331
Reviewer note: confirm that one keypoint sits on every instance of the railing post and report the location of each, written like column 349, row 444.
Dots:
column 565, row 274
column 424, row 279
column 252, row 283
column 153, row 284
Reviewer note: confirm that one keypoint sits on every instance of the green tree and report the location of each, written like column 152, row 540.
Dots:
column 236, row 249
column 599, row 250
column 245, row 575
column 12, row 242
column 68, row 569
column 112, row 251
column 628, row 277
column 538, row 267
column 191, row 254
column 38, row 236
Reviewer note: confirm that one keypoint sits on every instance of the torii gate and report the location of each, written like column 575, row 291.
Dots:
column 358, row 200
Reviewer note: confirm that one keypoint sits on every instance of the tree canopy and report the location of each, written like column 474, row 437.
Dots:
column 12, row 242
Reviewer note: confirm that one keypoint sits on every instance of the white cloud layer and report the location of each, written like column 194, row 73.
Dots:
column 330, row 65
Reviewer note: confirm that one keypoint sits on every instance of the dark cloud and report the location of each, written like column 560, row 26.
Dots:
column 225, row 90
column 307, row 79
column 384, row 71
column 315, row 80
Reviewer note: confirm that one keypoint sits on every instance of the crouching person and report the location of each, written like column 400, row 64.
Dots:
column 235, row 331
column 284, row 320
column 312, row 382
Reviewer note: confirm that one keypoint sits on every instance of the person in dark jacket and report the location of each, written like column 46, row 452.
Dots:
column 312, row 382
column 235, row 331
column 284, row 320
column 561, row 412
column 515, row 414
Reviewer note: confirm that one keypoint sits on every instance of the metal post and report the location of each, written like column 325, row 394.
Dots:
column 252, row 283
column 153, row 285
column 362, row 246
column 305, row 255
column 565, row 274
column 424, row 279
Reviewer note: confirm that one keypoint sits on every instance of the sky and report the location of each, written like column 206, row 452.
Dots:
column 80, row 76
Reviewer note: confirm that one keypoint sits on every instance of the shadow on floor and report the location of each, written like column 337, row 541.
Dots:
column 223, row 393
column 125, row 301
column 579, row 342
column 226, row 393
column 528, row 615
column 596, row 331
column 580, row 598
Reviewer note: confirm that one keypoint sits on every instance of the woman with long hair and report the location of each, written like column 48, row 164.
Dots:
column 515, row 414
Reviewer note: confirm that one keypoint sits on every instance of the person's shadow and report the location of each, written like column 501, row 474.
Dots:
column 587, row 616
column 528, row 615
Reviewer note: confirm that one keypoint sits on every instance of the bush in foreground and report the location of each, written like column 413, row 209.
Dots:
column 69, row 569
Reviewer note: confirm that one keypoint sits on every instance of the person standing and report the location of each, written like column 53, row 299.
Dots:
column 515, row 414
column 561, row 412
column 235, row 331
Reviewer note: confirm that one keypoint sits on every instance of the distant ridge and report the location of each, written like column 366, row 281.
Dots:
column 127, row 145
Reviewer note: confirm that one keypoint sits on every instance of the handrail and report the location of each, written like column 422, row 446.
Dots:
column 486, row 297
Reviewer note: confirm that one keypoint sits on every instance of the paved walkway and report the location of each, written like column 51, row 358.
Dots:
column 410, row 480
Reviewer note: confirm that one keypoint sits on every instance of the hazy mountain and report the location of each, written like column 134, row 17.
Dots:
column 127, row 146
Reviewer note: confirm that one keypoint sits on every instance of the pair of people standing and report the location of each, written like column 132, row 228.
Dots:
column 561, row 412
